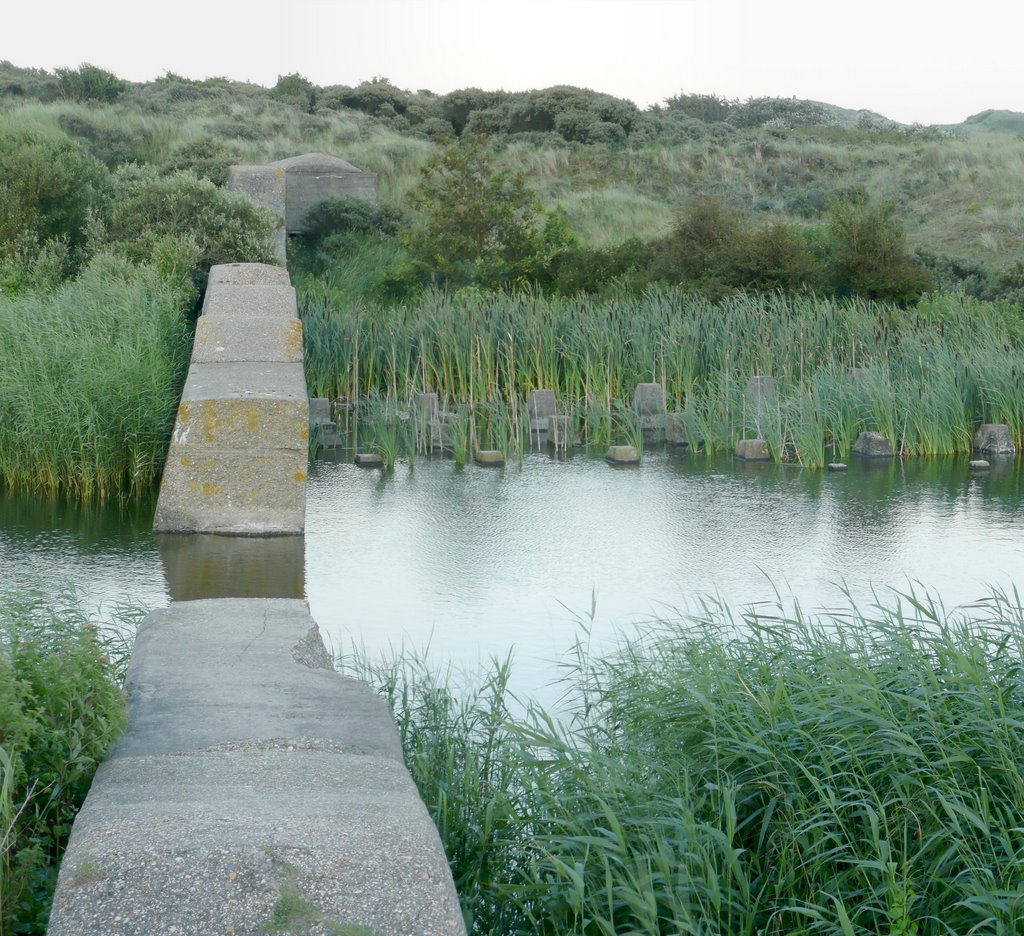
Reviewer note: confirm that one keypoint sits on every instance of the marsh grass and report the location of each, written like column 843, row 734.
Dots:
column 770, row 771
column 925, row 377
column 90, row 378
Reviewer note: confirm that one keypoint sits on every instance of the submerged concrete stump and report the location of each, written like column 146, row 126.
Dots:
column 323, row 430
column 751, row 450
column 623, row 455
column 251, row 778
column 994, row 439
column 489, row 458
column 676, row 432
column 979, row 465
column 837, row 466
column 264, row 185
column 649, row 406
column 562, row 433
column 238, row 458
column 872, row 445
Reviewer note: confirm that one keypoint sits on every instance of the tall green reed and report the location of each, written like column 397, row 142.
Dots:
column 767, row 772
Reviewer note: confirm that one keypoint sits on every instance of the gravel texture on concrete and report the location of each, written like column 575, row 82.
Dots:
column 254, row 791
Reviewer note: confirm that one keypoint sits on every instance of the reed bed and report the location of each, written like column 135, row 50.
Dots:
column 849, row 772
column 90, row 378
column 925, row 377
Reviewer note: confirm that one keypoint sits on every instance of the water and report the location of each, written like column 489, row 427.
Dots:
column 466, row 564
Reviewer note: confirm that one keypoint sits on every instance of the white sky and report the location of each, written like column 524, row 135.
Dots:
column 933, row 62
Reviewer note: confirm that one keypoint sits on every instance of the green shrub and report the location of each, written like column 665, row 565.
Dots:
column 351, row 215
column 52, row 191
column 89, row 83
column 481, row 225
column 208, row 158
column 225, row 227
column 870, row 256
column 112, row 143
column 296, row 90
column 61, row 709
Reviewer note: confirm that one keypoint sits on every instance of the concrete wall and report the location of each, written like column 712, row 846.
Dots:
column 255, row 790
column 265, row 185
column 314, row 177
column 238, row 457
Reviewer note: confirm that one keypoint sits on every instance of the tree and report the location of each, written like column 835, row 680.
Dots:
column 481, row 225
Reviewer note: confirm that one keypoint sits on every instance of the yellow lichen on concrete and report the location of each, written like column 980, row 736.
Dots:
column 293, row 340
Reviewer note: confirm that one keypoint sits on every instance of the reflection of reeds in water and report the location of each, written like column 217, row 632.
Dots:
column 924, row 377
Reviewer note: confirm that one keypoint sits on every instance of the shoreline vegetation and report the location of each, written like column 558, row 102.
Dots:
column 854, row 771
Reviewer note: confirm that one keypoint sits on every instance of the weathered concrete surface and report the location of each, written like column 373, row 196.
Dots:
column 994, row 439
column 315, row 177
column 238, row 458
column 221, row 339
column 872, row 445
column 250, row 300
column 251, row 777
column 264, row 185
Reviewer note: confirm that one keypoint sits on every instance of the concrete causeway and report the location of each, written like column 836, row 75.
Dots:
column 240, row 448
column 255, row 791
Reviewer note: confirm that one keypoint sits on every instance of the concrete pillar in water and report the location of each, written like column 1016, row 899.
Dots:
column 649, row 407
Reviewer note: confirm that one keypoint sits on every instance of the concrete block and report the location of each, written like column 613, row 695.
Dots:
column 623, row 455
column 320, row 412
column 980, row 465
column 265, row 186
column 489, row 458
column 872, row 445
column 752, row 450
column 235, row 492
column 369, row 460
column 231, row 338
column 994, row 439
column 425, row 407
column 218, row 408
column 649, row 406
column 315, row 177
column 251, row 770
column 248, row 274
column 540, row 404
column 250, row 301
column 837, row 466
column 676, row 432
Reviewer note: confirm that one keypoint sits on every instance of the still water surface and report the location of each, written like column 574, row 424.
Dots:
column 472, row 562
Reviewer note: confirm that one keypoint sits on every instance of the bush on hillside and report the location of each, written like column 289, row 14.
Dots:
column 481, row 225
column 208, row 158
column 870, row 256
column 225, row 227
column 296, row 90
column 89, row 83
column 52, row 193
column 351, row 215
column 111, row 142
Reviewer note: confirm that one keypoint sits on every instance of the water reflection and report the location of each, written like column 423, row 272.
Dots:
column 204, row 565
column 471, row 562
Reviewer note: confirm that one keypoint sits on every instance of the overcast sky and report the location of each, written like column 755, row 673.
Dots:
column 932, row 62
